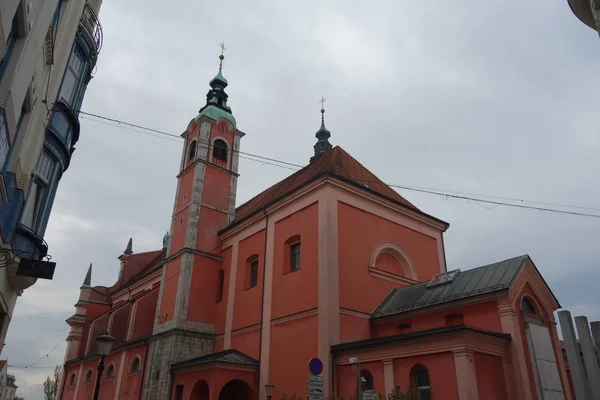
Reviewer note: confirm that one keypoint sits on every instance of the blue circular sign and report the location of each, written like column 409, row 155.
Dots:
column 315, row 366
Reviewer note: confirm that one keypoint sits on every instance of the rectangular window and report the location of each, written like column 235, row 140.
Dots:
column 221, row 285
column 13, row 35
column 295, row 257
column 179, row 392
column 69, row 89
column 253, row 273
column 4, row 140
column 35, row 206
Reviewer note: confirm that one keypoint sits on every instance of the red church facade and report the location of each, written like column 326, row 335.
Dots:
column 329, row 263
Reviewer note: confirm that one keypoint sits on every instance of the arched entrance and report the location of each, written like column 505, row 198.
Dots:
column 200, row 391
column 236, row 390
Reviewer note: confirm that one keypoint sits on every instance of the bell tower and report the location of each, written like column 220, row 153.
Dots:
column 204, row 204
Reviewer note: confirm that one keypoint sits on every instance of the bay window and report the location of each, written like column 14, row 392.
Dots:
column 73, row 80
column 40, row 194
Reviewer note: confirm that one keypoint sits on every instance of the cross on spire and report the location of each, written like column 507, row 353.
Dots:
column 322, row 101
column 222, row 45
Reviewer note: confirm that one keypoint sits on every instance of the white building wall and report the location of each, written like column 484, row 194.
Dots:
column 34, row 73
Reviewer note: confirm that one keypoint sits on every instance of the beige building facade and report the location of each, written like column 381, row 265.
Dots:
column 48, row 50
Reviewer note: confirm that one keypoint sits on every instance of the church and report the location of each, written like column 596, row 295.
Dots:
column 330, row 264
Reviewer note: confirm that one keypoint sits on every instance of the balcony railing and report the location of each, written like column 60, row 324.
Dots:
column 91, row 24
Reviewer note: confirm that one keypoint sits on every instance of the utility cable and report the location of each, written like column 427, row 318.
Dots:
column 286, row 165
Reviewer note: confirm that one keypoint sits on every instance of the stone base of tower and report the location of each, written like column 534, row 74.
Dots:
column 167, row 348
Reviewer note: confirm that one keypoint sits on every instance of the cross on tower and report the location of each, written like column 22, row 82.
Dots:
column 222, row 45
column 322, row 101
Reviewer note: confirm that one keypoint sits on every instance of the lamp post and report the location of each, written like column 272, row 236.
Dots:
column 105, row 343
column 269, row 390
column 356, row 361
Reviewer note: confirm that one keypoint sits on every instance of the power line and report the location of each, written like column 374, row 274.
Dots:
column 444, row 193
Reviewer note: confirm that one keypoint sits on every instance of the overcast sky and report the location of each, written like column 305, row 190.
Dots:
column 496, row 98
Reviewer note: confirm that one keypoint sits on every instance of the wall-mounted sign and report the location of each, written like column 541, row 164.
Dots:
column 315, row 366
column 36, row 268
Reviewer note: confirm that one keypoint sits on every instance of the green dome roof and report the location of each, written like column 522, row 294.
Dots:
column 215, row 113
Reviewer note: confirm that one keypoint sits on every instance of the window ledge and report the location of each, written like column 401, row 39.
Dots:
column 379, row 273
column 291, row 271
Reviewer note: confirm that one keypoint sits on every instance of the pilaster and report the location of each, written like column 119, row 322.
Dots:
column 465, row 375
column 510, row 324
column 388, row 376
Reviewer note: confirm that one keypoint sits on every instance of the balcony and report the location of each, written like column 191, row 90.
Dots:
column 90, row 25
column 583, row 10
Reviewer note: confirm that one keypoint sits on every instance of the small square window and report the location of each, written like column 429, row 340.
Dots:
column 295, row 257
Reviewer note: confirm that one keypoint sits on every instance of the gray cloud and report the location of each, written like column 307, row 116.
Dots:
column 490, row 98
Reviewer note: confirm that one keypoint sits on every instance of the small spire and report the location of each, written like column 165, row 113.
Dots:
column 166, row 240
column 322, row 134
column 88, row 277
column 129, row 249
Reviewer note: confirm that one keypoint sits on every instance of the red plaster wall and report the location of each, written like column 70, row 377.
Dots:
column 218, row 346
column 221, row 306
column 359, row 233
column 120, row 324
column 490, row 377
column 442, row 374
column 203, row 291
column 483, row 316
column 131, row 382
column 293, row 344
column 98, row 328
column 300, row 285
column 247, row 305
column 354, row 328
column 178, row 235
column 145, row 314
column 210, row 222
column 167, row 303
column 247, row 342
column 216, row 184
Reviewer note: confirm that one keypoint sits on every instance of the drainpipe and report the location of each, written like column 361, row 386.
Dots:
column 262, row 304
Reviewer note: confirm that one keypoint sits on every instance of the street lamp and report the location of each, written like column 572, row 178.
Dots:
column 356, row 361
column 269, row 390
column 105, row 343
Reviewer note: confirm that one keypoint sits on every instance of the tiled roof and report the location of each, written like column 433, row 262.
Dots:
column 473, row 282
column 337, row 163
column 380, row 341
column 230, row 356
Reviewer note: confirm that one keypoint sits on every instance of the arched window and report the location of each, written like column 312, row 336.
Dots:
column 135, row 365
column 527, row 306
column 110, row 372
column 366, row 379
column 89, row 376
column 192, row 151
column 220, row 150
column 422, row 383
column 73, row 380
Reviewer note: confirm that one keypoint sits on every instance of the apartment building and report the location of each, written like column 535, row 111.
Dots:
column 48, row 51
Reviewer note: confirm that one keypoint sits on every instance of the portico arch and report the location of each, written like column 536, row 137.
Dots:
column 200, row 391
column 236, row 390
